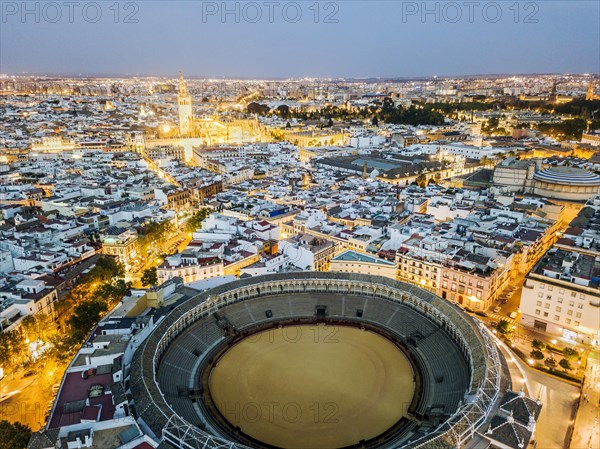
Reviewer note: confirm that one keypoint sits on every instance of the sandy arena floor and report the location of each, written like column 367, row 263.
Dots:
column 313, row 386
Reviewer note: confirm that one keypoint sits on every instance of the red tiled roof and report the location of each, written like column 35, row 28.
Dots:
column 90, row 413
column 76, row 388
column 143, row 445
column 565, row 241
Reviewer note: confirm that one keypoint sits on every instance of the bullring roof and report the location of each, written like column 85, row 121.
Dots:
column 567, row 176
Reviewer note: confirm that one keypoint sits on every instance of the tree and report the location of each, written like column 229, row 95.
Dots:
column 84, row 318
column 375, row 121
column 149, row 277
column 538, row 344
column 565, row 129
column 61, row 348
column 106, row 269
column 257, row 108
column 195, row 221
column 485, row 161
column 12, row 348
column 283, row 111
column 538, row 355
column 14, row 435
column 112, row 292
column 421, row 180
column 565, row 364
column 570, row 353
column 503, row 327
column 155, row 235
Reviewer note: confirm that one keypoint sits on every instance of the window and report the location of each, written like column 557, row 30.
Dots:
column 581, row 296
column 558, row 309
column 578, row 315
column 569, row 312
column 580, row 306
column 568, row 321
column 576, row 323
column 561, row 291
column 550, row 288
column 540, row 295
column 573, row 294
column 542, row 286
column 549, row 297
column 571, row 303
column 560, row 300
column 547, row 305
column 537, row 311
column 556, row 317
column 545, row 314
column 539, row 303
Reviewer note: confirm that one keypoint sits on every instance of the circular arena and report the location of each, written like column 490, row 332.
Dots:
column 316, row 360
column 566, row 183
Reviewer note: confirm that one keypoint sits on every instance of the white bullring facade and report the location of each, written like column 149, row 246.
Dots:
column 560, row 183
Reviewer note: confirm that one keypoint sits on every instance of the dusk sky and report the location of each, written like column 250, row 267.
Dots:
column 370, row 39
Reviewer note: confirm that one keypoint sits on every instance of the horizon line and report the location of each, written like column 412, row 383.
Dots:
column 296, row 77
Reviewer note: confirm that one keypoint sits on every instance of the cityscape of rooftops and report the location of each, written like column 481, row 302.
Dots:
column 299, row 224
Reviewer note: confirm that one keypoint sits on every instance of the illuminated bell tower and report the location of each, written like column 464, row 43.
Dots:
column 184, row 101
column 590, row 92
column 553, row 95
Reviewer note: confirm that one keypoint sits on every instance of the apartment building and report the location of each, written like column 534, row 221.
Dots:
column 561, row 296
column 121, row 243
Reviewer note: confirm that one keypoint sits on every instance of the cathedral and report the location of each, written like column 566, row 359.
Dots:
column 211, row 130
column 590, row 93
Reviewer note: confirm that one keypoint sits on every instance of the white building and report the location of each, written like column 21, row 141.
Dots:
column 458, row 149
column 354, row 262
column 561, row 296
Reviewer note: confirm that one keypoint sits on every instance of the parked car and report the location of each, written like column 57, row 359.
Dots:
column 497, row 309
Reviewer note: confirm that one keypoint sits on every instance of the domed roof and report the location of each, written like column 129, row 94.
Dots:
column 567, row 176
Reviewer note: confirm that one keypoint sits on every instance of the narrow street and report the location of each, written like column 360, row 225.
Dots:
column 26, row 398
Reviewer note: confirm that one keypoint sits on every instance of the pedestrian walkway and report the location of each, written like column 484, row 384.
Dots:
column 586, row 431
column 499, row 317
